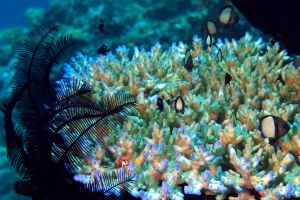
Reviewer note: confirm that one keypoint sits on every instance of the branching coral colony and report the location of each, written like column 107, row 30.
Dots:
column 214, row 146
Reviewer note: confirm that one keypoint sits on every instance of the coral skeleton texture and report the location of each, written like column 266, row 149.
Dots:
column 214, row 146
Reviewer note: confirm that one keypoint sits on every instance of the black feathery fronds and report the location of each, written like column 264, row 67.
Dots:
column 81, row 126
column 39, row 89
column 15, row 152
column 30, row 64
column 23, row 187
column 112, row 182
column 69, row 94
column 72, row 92
column 61, row 124
column 61, row 48
column 28, row 58
column 30, row 55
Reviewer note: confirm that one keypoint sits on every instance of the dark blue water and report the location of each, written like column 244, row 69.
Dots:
column 12, row 11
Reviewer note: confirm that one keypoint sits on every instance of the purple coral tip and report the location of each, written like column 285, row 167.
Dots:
column 164, row 164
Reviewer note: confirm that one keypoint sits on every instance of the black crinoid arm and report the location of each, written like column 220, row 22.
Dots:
column 61, row 124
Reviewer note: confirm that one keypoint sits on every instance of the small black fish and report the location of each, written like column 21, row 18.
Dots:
column 210, row 28
column 188, row 61
column 101, row 26
column 159, row 103
column 209, row 40
column 228, row 16
column 273, row 127
column 178, row 104
column 219, row 55
column 227, row 78
column 103, row 50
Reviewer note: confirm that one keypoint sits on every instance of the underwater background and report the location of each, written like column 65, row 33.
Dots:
column 131, row 23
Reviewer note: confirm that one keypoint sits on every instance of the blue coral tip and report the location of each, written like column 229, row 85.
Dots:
column 259, row 188
column 187, row 190
column 289, row 187
column 278, row 194
column 239, row 189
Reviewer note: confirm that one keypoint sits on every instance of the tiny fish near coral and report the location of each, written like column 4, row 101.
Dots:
column 228, row 16
column 188, row 61
column 210, row 40
column 178, row 104
column 210, row 28
column 219, row 55
column 103, row 50
column 101, row 26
